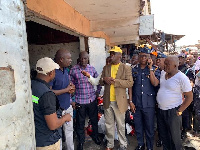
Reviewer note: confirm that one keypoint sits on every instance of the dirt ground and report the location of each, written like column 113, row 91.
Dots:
column 191, row 143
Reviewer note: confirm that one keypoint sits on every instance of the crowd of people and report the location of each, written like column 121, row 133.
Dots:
column 162, row 89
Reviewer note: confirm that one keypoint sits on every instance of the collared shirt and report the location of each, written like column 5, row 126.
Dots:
column 144, row 93
column 85, row 92
column 60, row 82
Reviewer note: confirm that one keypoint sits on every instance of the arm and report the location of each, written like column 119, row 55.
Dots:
column 153, row 79
column 128, row 82
column 53, row 122
column 69, row 89
column 47, row 104
column 92, row 80
column 187, row 101
column 131, row 104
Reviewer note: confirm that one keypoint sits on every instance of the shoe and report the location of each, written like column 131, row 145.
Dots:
column 140, row 147
column 80, row 146
column 96, row 141
column 158, row 143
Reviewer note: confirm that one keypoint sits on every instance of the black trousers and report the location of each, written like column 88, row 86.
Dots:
column 92, row 111
column 170, row 129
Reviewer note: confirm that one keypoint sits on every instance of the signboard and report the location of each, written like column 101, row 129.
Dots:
column 146, row 25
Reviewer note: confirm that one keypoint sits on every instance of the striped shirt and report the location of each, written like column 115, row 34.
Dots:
column 85, row 92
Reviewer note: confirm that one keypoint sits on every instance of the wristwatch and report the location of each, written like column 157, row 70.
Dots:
column 151, row 69
column 179, row 113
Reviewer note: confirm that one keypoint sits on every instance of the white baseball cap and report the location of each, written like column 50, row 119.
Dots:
column 46, row 65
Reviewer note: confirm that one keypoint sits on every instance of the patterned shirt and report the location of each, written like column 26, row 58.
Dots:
column 85, row 92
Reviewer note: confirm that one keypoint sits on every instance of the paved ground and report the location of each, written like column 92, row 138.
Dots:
column 191, row 143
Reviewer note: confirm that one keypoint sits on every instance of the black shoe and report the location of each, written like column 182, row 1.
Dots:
column 80, row 146
column 158, row 143
column 97, row 140
column 140, row 147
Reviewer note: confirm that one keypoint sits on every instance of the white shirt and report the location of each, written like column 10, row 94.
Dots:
column 170, row 93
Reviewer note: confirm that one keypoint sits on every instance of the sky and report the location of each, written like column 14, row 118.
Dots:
column 180, row 17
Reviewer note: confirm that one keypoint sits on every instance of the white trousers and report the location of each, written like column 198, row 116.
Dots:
column 68, row 130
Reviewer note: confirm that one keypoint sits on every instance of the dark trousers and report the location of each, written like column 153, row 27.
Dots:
column 144, row 123
column 170, row 129
column 186, row 119
column 92, row 111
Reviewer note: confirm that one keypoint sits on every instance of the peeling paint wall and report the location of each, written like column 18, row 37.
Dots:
column 16, row 117
column 38, row 51
column 97, row 53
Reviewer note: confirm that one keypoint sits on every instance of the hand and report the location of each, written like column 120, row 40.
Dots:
column 73, row 105
column 67, row 117
column 150, row 63
column 132, row 106
column 109, row 80
column 70, row 88
column 85, row 73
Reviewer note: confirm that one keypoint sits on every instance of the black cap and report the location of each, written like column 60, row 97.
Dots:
column 161, row 55
column 145, row 50
column 183, row 55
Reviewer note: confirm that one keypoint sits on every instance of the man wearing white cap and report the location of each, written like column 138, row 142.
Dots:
column 45, row 107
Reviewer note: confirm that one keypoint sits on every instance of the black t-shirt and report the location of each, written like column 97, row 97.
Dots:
column 46, row 106
column 48, row 103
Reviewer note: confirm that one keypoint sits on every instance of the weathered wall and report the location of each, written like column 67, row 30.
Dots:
column 38, row 51
column 16, row 116
column 97, row 53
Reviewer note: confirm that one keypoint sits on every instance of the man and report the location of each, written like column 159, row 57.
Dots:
column 116, row 77
column 85, row 97
column 172, row 85
column 134, row 60
column 143, row 95
column 160, row 63
column 188, row 71
column 47, row 124
column 62, row 87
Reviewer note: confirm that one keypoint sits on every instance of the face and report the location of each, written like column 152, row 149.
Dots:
column 160, row 63
column 66, row 60
column 143, row 57
column 169, row 66
column 84, row 59
column 195, row 54
column 153, row 57
column 52, row 75
column 134, row 60
column 181, row 61
column 190, row 61
column 115, row 57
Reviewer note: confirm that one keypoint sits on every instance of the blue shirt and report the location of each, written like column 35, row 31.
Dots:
column 144, row 93
column 61, row 81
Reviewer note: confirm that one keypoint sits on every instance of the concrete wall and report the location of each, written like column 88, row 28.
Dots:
column 61, row 13
column 16, row 115
column 97, row 53
column 38, row 51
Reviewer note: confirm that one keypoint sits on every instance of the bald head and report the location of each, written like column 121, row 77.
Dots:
column 174, row 59
column 83, row 58
column 60, row 54
column 63, row 58
column 171, row 64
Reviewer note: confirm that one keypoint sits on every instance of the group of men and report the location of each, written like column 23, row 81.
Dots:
column 54, row 86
